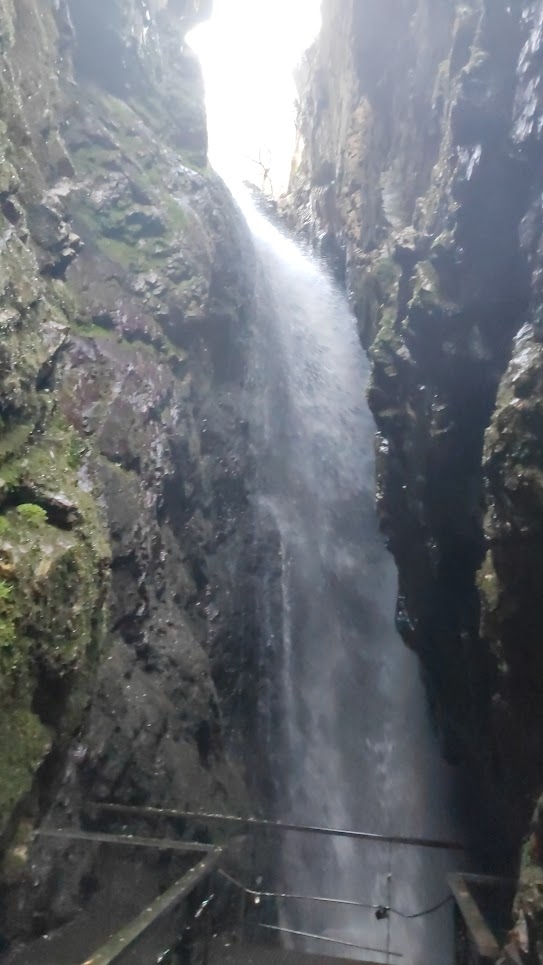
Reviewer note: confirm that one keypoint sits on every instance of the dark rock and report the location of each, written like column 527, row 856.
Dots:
column 421, row 156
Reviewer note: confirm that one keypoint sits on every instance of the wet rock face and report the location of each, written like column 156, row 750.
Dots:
column 140, row 59
column 125, row 297
column 419, row 179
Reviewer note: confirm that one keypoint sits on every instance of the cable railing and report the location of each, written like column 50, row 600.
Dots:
column 214, row 903
column 259, row 828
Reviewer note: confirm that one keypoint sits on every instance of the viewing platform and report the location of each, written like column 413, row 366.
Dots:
column 210, row 917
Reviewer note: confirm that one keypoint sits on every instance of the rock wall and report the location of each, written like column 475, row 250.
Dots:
column 419, row 177
column 125, row 293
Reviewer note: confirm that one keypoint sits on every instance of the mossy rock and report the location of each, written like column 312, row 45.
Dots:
column 24, row 745
column 13, row 867
column 54, row 560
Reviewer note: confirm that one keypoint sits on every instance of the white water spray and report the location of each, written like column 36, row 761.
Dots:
column 350, row 742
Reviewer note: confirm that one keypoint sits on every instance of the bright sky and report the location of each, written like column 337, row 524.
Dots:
column 249, row 50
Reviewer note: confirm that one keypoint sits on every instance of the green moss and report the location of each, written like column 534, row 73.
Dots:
column 74, row 453
column 91, row 158
column 177, row 216
column 8, row 640
column 122, row 252
column 32, row 513
column 26, row 349
column 125, row 126
column 6, row 591
column 387, row 273
column 13, row 442
column 428, row 298
column 147, row 207
column 157, row 347
column 45, row 469
column 53, row 585
column 61, row 296
column 25, row 742
column 376, row 296
column 12, row 655
column 94, row 330
column 99, row 229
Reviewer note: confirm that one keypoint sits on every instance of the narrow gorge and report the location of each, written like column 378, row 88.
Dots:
column 246, row 447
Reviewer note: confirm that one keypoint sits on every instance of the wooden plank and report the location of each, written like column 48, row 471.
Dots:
column 252, row 822
column 90, row 837
column 127, row 936
column 485, row 942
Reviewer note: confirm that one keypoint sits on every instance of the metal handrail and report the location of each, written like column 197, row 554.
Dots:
column 122, row 941
column 116, row 946
column 333, row 941
column 252, row 822
column 128, row 840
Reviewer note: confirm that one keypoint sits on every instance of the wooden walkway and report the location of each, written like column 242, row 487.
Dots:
column 66, row 947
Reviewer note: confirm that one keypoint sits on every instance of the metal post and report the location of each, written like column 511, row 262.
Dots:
column 389, row 900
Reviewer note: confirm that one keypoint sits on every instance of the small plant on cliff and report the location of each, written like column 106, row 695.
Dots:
column 7, row 629
column 5, row 590
column 74, row 452
column 386, row 272
column 7, row 641
column 32, row 513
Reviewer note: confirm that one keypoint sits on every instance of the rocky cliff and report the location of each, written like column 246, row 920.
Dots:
column 125, row 289
column 419, row 177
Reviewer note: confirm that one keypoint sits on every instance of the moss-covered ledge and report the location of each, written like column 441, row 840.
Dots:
column 54, row 559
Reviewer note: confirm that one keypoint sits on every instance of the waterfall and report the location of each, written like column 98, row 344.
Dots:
column 343, row 713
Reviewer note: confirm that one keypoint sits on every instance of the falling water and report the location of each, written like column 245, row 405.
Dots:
column 348, row 735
